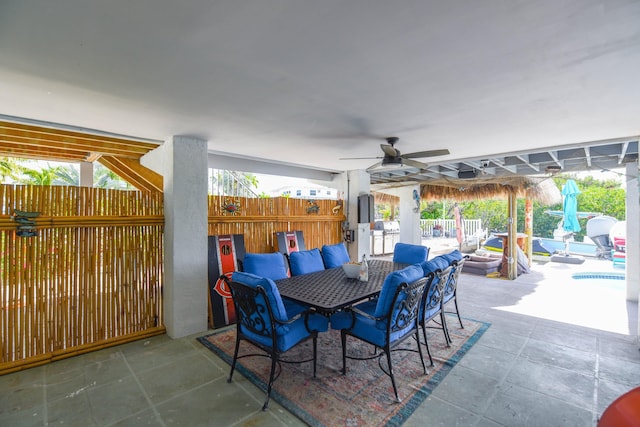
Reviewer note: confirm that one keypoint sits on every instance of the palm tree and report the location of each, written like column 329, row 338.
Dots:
column 45, row 176
column 67, row 175
column 9, row 169
column 106, row 178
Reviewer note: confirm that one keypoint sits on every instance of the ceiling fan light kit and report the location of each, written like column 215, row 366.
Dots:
column 392, row 162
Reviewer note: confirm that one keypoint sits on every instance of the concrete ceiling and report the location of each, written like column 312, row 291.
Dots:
column 307, row 83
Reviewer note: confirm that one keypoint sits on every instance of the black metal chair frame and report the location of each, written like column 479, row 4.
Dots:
column 408, row 312
column 432, row 299
column 452, row 288
column 244, row 300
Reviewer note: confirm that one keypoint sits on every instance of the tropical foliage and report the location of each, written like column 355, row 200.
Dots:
column 22, row 171
column 602, row 196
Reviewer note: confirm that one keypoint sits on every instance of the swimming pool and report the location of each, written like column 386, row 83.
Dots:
column 610, row 280
column 597, row 275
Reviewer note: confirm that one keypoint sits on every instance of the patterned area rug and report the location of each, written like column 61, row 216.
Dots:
column 362, row 397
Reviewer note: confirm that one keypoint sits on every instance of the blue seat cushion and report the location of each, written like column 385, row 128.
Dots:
column 406, row 253
column 365, row 327
column 270, row 265
column 335, row 255
column 305, row 262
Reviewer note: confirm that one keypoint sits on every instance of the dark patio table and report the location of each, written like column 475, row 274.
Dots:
column 331, row 290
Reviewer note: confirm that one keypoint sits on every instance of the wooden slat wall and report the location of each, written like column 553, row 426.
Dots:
column 91, row 278
column 258, row 219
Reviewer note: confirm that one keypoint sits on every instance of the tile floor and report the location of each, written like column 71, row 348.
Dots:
column 557, row 353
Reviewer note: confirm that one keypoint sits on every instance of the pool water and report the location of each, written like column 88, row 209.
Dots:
column 611, row 280
column 605, row 276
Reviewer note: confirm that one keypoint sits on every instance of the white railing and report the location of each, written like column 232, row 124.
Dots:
column 472, row 228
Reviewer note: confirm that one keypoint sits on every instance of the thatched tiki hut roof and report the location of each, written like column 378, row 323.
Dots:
column 541, row 189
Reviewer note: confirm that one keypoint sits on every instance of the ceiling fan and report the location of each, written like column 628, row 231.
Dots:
column 393, row 159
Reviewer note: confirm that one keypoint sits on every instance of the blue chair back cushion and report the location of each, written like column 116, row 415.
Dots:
column 376, row 330
column 287, row 335
column 270, row 265
column 430, row 266
column 279, row 312
column 406, row 275
column 335, row 255
column 454, row 255
column 305, row 262
column 441, row 262
column 406, row 253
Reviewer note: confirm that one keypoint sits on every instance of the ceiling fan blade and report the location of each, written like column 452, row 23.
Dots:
column 389, row 150
column 430, row 153
column 414, row 164
column 374, row 166
column 359, row 158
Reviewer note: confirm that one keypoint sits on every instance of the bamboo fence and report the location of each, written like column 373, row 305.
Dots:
column 258, row 219
column 92, row 276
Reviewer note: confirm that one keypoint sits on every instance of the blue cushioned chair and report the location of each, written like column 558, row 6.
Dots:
column 432, row 304
column 406, row 253
column 388, row 321
column 269, row 323
column 335, row 255
column 305, row 262
column 270, row 265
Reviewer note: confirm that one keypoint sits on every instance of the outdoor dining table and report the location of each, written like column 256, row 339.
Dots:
column 331, row 290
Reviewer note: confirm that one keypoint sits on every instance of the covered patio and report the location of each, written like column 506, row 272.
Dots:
column 160, row 91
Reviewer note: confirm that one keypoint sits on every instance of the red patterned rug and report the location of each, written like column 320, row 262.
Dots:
column 362, row 397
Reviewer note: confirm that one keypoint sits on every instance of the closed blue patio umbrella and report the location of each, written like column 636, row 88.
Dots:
column 570, row 192
column 570, row 222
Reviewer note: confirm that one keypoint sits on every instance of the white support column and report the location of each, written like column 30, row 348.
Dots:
column 86, row 174
column 632, row 261
column 409, row 213
column 183, row 163
column 358, row 182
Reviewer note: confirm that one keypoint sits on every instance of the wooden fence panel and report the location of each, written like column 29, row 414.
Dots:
column 91, row 277
column 259, row 219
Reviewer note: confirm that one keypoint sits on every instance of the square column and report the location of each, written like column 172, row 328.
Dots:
column 183, row 163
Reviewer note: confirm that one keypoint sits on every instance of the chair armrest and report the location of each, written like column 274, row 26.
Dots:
column 354, row 311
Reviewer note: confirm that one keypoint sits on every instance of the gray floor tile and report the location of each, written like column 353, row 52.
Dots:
column 516, row 406
column 488, row 360
column 437, row 412
column 498, row 339
column 620, row 371
column 32, row 417
column 574, row 388
column 467, row 389
column 578, row 338
column 583, row 362
column 145, row 418
column 156, row 351
column 115, row 400
column 180, row 376
column 619, row 347
column 74, row 410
